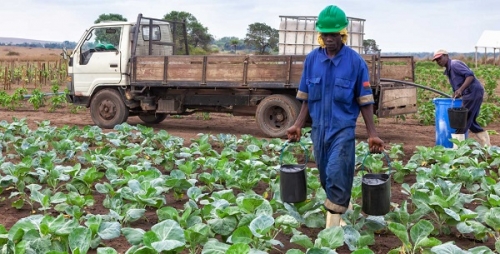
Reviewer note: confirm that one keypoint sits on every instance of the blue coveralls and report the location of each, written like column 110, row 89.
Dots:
column 472, row 97
column 335, row 89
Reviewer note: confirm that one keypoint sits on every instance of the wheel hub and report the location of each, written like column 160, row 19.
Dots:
column 107, row 109
column 276, row 117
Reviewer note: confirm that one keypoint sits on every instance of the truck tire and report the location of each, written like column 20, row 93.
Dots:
column 108, row 109
column 153, row 118
column 276, row 113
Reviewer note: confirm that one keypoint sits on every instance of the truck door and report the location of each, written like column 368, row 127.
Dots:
column 97, row 59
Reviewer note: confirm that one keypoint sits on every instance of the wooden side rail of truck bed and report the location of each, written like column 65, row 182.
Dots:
column 226, row 71
column 218, row 71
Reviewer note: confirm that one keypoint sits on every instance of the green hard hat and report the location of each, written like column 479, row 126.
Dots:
column 100, row 46
column 110, row 47
column 331, row 20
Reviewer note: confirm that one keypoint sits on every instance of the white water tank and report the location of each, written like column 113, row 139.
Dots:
column 298, row 36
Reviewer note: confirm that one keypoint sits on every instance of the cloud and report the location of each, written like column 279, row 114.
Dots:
column 396, row 25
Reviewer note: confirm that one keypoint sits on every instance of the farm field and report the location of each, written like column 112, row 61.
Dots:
column 209, row 184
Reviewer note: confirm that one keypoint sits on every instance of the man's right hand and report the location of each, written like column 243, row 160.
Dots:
column 293, row 133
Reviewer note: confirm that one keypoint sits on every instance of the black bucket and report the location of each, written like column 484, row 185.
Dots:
column 376, row 192
column 293, row 184
column 458, row 117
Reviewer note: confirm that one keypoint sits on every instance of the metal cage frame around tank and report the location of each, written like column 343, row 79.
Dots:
column 355, row 38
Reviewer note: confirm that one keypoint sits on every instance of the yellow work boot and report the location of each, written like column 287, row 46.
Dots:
column 483, row 138
column 334, row 219
column 459, row 137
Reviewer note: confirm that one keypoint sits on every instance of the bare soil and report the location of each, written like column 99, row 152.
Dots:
column 409, row 133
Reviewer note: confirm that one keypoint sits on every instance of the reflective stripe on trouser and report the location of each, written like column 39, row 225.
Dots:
column 473, row 103
column 335, row 162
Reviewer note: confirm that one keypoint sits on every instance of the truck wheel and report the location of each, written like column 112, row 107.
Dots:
column 108, row 109
column 276, row 113
column 153, row 118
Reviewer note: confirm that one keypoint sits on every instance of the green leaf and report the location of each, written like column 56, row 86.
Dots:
column 420, row 231
column 332, row 237
column 287, row 220
column 145, row 250
column 323, row 250
column 18, row 204
column 447, row 248
column 134, row 214
column 294, row 251
column 197, row 234
column 224, row 226
column 492, row 218
column 109, row 230
column 57, row 198
column 133, row 235
column 363, row 251
column 428, row 242
column 80, row 238
column 261, row 225
column 315, row 220
column 194, row 193
column 242, row 235
column 351, row 237
column 170, row 236
column 302, row 240
column 167, row 213
column 17, row 231
column 481, row 250
column 464, row 228
column 101, row 188
column 106, row 250
column 452, row 214
column 213, row 246
column 400, row 231
column 239, row 248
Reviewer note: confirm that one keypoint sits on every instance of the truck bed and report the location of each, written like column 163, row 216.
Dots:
column 226, row 71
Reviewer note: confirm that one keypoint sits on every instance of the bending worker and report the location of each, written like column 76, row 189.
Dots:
column 334, row 88
column 466, row 86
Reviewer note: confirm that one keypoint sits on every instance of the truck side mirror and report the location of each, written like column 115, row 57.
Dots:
column 65, row 53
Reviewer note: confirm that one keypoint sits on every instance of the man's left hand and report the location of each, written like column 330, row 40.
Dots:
column 375, row 144
column 457, row 94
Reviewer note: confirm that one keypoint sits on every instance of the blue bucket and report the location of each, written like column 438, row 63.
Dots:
column 443, row 129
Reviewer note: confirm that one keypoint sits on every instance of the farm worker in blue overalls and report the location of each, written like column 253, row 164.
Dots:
column 334, row 88
column 466, row 86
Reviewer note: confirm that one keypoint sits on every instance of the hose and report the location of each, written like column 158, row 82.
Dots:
column 27, row 96
column 416, row 85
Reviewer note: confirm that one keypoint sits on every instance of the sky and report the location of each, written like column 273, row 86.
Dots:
column 396, row 25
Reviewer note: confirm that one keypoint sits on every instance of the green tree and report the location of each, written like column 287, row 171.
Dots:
column 111, row 16
column 370, row 45
column 197, row 34
column 234, row 43
column 225, row 43
column 262, row 37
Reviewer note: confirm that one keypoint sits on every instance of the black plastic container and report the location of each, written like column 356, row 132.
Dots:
column 293, row 184
column 458, row 117
column 376, row 192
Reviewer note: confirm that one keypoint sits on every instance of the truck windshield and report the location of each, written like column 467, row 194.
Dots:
column 103, row 39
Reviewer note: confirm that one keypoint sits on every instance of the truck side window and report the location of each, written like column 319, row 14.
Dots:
column 102, row 39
